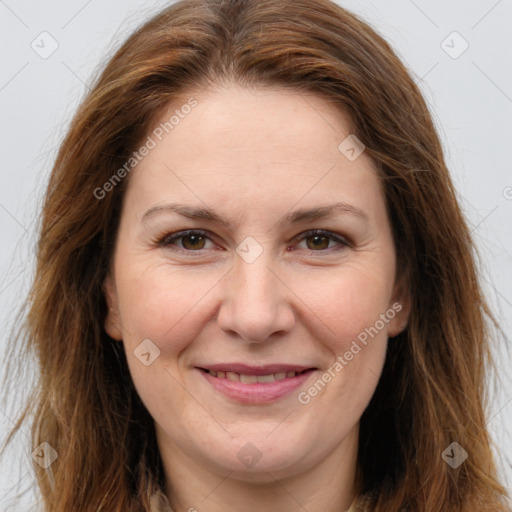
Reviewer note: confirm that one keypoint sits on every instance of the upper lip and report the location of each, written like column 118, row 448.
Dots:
column 246, row 369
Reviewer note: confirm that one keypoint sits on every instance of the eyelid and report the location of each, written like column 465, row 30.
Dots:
column 167, row 238
column 165, row 241
column 342, row 241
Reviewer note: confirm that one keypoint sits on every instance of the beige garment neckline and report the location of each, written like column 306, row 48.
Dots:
column 160, row 503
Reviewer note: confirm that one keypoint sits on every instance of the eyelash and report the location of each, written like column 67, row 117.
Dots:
column 166, row 241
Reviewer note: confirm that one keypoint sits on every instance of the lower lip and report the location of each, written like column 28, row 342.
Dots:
column 259, row 392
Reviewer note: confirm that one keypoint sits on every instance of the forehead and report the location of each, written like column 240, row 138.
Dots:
column 264, row 122
column 255, row 144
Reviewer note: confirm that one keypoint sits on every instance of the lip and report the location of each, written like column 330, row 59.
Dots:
column 254, row 370
column 259, row 392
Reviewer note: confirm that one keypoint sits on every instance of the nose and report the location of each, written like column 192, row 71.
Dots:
column 256, row 302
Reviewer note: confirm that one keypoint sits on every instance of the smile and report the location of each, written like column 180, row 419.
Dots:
column 252, row 379
column 256, row 385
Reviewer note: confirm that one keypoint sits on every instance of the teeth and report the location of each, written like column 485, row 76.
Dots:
column 248, row 379
column 265, row 378
column 252, row 379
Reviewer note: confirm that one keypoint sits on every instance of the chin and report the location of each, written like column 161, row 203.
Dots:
column 270, row 467
column 259, row 458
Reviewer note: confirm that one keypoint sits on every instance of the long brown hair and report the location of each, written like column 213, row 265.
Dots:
column 431, row 392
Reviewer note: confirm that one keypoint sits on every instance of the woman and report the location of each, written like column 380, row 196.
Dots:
column 255, row 289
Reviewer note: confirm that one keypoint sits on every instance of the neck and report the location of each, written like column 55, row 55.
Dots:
column 329, row 486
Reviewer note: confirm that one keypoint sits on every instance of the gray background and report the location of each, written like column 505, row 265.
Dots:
column 470, row 94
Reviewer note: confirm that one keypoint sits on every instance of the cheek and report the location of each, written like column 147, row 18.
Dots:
column 347, row 303
column 164, row 305
column 356, row 314
column 352, row 310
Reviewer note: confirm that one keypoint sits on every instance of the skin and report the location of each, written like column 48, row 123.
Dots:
column 253, row 156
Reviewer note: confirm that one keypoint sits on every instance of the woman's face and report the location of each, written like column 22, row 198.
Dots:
column 253, row 294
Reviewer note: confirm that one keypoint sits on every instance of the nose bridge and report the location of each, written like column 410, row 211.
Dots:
column 255, row 303
column 254, row 282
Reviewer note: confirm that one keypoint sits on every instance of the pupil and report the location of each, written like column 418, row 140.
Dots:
column 193, row 240
column 319, row 241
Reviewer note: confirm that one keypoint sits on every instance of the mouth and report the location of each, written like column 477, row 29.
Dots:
column 255, row 384
column 253, row 378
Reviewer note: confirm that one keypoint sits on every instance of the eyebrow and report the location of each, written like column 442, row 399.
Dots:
column 294, row 217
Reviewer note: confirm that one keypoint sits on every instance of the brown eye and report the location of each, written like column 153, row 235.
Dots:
column 318, row 242
column 322, row 241
column 186, row 241
column 192, row 242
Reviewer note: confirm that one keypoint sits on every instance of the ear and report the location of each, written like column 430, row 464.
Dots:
column 401, row 305
column 112, row 319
